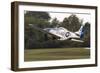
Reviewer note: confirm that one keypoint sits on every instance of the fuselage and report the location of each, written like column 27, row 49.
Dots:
column 62, row 33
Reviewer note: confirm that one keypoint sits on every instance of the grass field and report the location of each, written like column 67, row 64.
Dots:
column 56, row 54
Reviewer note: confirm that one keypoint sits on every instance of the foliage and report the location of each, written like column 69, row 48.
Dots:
column 72, row 23
column 86, row 38
column 55, row 23
column 38, row 14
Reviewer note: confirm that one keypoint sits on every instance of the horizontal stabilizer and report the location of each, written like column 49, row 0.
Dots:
column 76, row 40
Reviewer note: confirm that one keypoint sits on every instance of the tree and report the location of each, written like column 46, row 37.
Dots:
column 87, row 34
column 87, row 28
column 55, row 23
column 65, row 23
column 37, row 14
column 39, row 19
column 72, row 23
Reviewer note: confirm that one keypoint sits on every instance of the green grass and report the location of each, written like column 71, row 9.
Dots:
column 56, row 54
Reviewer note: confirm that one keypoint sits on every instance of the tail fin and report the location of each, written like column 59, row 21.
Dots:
column 80, row 32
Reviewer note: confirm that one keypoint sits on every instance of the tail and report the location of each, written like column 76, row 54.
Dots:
column 80, row 32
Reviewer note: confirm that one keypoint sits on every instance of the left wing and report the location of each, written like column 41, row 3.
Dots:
column 44, row 31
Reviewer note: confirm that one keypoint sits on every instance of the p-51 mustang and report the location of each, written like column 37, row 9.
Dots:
column 61, row 33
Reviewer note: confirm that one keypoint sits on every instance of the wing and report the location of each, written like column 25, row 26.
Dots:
column 44, row 31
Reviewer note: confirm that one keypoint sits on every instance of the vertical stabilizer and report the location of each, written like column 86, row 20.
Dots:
column 80, row 32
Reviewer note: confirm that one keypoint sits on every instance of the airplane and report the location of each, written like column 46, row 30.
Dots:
column 61, row 33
